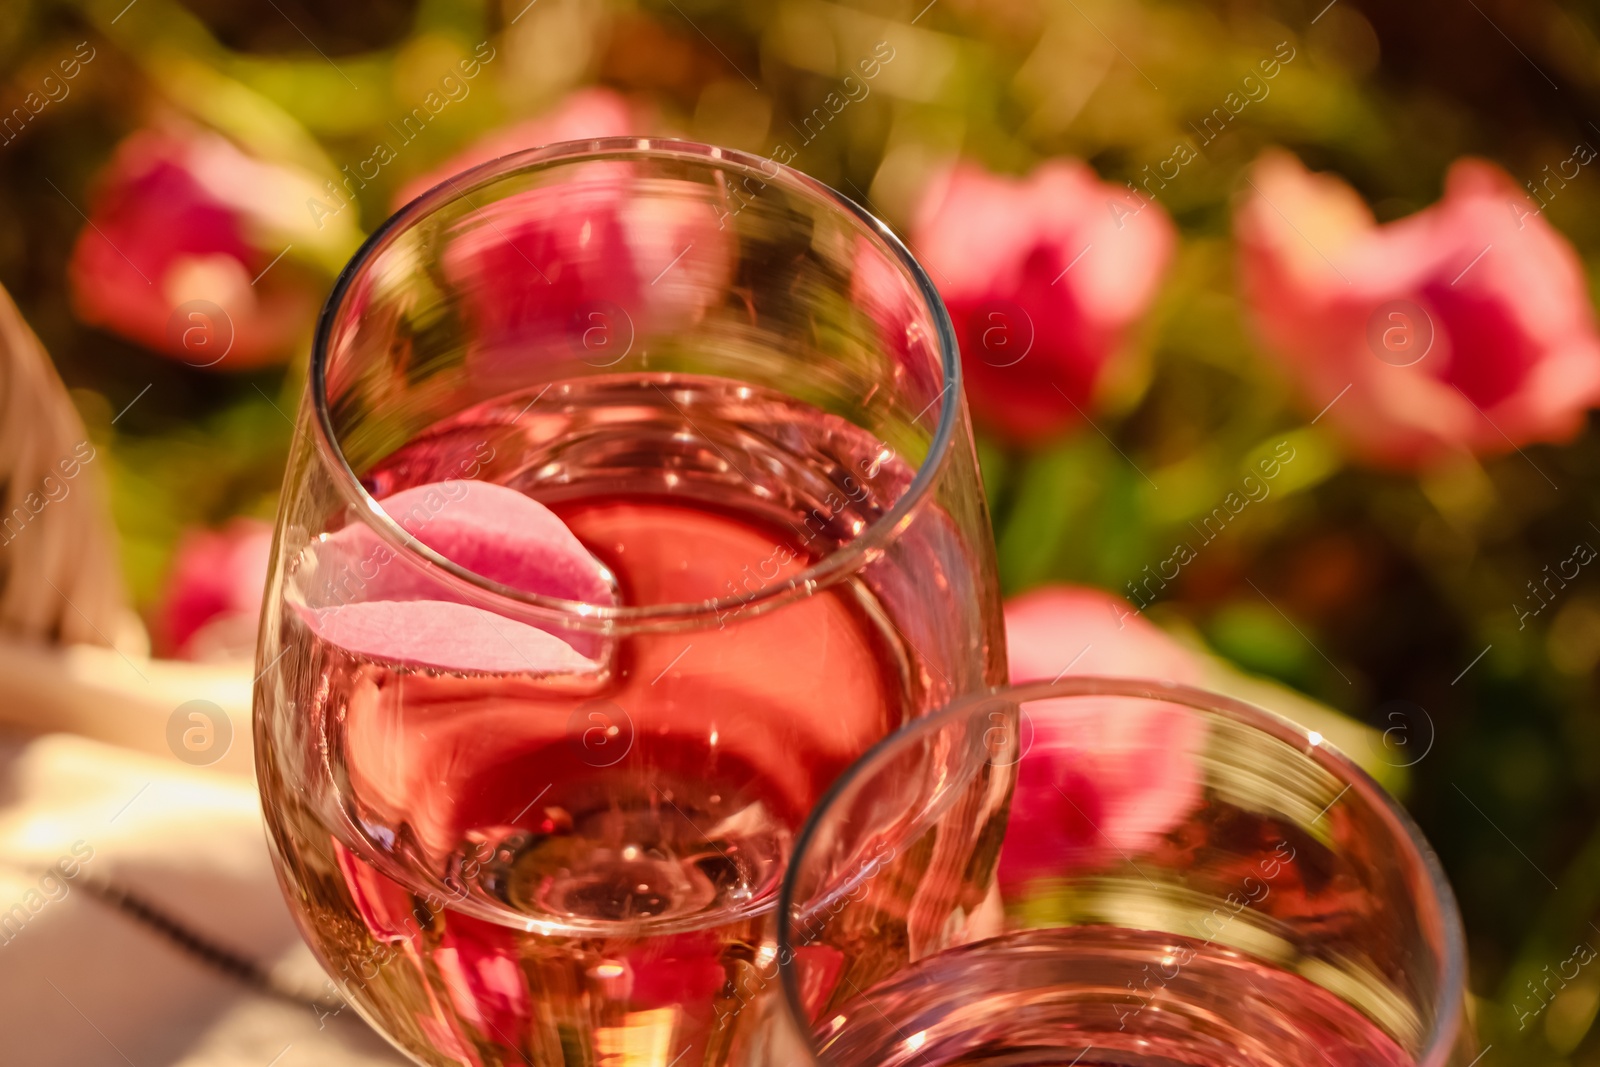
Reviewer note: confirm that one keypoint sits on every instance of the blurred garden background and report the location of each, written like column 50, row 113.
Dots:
column 1334, row 429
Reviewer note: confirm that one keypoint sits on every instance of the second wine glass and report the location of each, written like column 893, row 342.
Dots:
column 1178, row 879
column 632, row 499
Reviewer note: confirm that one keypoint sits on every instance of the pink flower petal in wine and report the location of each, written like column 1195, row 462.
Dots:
column 374, row 600
column 497, row 533
column 445, row 635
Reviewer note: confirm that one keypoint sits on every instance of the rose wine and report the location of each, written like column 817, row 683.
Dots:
column 1097, row 996
column 513, row 843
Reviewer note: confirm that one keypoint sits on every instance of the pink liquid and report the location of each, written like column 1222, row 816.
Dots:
column 575, row 869
column 1096, row 996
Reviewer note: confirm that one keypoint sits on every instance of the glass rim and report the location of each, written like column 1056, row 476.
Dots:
column 832, row 567
column 1447, row 1006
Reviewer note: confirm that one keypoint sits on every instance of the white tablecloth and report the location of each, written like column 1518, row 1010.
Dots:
column 83, row 983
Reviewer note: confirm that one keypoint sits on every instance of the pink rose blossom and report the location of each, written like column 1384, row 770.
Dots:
column 181, row 217
column 1465, row 327
column 586, row 269
column 1043, row 277
column 583, row 116
column 212, row 603
column 586, row 266
column 1100, row 778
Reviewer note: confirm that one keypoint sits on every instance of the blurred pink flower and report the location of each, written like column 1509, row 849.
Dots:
column 212, row 601
column 1100, row 777
column 582, row 116
column 1043, row 276
column 1464, row 327
column 185, row 217
column 1085, row 631
column 585, row 269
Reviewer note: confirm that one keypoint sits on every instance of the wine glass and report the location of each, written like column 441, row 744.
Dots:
column 633, row 498
column 1179, row 880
